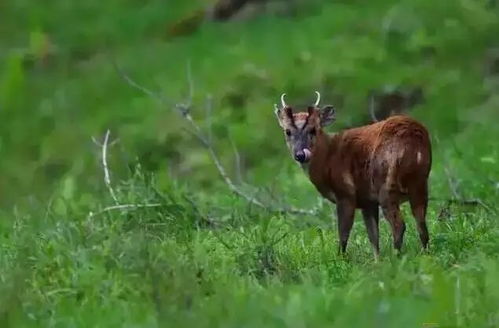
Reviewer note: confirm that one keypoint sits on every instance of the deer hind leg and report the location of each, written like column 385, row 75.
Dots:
column 390, row 202
column 418, row 198
column 392, row 214
column 371, row 220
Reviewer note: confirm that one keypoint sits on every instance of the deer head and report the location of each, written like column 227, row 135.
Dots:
column 301, row 129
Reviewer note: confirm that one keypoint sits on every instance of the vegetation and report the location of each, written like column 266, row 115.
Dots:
column 200, row 255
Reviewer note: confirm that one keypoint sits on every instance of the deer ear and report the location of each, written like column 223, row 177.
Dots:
column 327, row 115
column 279, row 113
column 284, row 115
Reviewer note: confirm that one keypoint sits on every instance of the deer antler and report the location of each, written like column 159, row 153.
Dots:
column 318, row 99
column 282, row 101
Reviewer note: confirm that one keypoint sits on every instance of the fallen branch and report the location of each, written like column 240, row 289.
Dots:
column 464, row 202
column 453, row 183
column 123, row 207
column 184, row 110
column 237, row 158
column 107, row 177
column 458, row 198
column 107, row 180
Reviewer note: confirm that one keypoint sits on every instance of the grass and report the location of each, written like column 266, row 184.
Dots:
column 203, row 256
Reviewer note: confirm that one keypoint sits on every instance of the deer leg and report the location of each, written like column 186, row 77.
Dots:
column 345, row 210
column 390, row 205
column 418, row 198
column 371, row 219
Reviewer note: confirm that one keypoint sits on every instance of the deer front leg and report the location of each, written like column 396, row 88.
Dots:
column 371, row 220
column 345, row 210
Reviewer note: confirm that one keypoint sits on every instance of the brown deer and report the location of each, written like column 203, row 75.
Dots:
column 381, row 164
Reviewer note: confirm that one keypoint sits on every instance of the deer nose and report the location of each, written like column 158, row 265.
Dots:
column 300, row 156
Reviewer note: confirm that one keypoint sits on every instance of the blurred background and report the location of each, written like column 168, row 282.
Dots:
column 58, row 86
column 201, row 255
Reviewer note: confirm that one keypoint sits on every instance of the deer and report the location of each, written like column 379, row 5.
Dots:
column 381, row 164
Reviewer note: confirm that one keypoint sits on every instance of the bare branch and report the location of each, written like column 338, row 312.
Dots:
column 135, row 85
column 107, row 180
column 454, row 188
column 453, row 184
column 372, row 107
column 98, row 144
column 237, row 157
column 107, row 176
column 123, row 207
column 457, row 195
column 190, row 82
column 464, row 202
column 209, row 109
column 196, row 131
column 203, row 217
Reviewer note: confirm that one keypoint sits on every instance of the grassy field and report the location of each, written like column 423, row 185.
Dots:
column 199, row 255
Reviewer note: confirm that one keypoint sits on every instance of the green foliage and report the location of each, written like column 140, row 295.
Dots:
column 182, row 262
column 191, row 253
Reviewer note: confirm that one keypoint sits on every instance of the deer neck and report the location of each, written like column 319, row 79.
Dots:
column 317, row 167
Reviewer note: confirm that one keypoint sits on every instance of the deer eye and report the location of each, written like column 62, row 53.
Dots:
column 288, row 132
column 312, row 131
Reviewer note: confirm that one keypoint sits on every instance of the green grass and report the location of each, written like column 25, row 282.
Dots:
column 204, row 257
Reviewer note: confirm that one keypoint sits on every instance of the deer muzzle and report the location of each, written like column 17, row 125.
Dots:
column 303, row 155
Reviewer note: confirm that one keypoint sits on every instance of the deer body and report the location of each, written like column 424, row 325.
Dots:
column 379, row 165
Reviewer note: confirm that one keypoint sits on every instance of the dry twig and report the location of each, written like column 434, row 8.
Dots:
column 458, row 198
column 372, row 111
column 237, row 157
column 107, row 177
column 123, row 207
column 453, row 183
column 184, row 111
column 107, row 180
